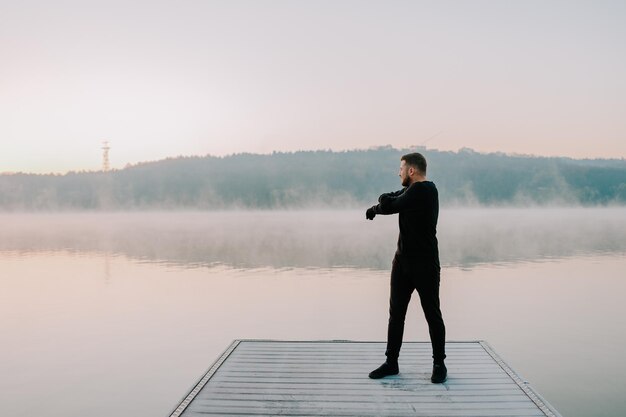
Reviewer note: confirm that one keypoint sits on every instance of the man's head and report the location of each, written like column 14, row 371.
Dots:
column 412, row 168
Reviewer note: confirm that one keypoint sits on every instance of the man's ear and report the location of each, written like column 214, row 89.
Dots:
column 411, row 171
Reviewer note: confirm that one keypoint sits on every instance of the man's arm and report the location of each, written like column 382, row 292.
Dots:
column 374, row 210
column 395, row 204
column 391, row 194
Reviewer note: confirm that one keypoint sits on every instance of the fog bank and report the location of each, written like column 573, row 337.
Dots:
column 284, row 239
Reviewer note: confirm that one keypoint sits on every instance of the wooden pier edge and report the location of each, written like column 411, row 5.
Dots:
column 522, row 383
column 197, row 387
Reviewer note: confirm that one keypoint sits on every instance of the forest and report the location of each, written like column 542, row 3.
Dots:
column 319, row 179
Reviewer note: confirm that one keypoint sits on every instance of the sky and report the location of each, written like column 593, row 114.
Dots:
column 161, row 79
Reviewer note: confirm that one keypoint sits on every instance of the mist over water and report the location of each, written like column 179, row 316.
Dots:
column 321, row 238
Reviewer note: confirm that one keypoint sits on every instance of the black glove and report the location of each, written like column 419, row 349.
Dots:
column 370, row 213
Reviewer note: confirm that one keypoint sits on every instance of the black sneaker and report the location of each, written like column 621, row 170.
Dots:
column 440, row 373
column 384, row 370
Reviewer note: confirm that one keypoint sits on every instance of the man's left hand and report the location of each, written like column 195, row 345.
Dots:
column 370, row 213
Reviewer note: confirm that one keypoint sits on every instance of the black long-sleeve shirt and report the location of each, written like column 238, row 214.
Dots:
column 418, row 208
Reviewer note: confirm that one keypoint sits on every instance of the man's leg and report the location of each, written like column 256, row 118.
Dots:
column 400, row 295
column 428, row 289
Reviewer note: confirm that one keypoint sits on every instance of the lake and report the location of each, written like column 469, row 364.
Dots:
column 107, row 314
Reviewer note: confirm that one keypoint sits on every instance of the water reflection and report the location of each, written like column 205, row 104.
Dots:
column 74, row 338
column 249, row 239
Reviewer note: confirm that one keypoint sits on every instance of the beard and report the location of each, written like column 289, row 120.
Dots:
column 406, row 181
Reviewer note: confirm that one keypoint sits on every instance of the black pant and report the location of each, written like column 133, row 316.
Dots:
column 424, row 277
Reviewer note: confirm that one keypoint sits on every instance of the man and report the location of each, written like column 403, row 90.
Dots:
column 416, row 262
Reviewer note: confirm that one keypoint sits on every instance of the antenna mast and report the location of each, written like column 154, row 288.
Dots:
column 105, row 156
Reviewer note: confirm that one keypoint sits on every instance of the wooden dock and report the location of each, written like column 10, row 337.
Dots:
column 329, row 378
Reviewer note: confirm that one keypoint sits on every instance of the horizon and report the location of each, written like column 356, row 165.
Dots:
column 415, row 148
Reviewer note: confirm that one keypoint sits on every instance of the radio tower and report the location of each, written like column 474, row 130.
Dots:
column 105, row 156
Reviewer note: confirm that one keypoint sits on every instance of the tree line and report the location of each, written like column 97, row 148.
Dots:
column 308, row 179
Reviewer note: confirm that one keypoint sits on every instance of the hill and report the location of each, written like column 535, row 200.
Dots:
column 319, row 179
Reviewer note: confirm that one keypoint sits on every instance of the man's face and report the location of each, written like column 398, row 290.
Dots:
column 405, row 175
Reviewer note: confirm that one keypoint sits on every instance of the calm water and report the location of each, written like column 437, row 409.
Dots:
column 119, row 314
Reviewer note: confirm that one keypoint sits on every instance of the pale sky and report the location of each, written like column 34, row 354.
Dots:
column 159, row 79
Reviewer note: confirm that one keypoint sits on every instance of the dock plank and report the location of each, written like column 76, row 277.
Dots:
column 313, row 378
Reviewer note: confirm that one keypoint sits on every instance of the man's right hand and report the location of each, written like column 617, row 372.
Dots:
column 370, row 213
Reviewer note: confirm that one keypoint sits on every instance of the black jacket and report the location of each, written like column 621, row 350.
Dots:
column 418, row 208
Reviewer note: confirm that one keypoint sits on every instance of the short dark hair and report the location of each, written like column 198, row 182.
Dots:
column 416, row 160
